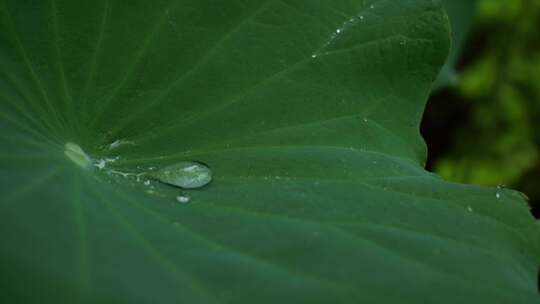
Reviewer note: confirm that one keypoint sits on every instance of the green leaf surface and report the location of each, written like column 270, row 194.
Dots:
column 307, row 113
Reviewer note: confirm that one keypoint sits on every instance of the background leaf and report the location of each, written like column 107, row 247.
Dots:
column 494, row 141
column 307, row 112
column 461, row 14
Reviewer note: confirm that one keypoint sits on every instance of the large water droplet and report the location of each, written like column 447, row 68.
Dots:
column 186, row 175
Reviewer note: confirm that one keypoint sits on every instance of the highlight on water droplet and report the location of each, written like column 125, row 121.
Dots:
column 77, row 155
column 187, row 174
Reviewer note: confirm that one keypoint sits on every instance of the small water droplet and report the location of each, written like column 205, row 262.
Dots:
column 120, row 142
column 186, row 174
column 338, row 31
column 184, row 199
column 372, row 6
column 100, row 164
column 147, row 183
column 361, row 17
column 497, row 195
column 314, row 56
column 470, row 208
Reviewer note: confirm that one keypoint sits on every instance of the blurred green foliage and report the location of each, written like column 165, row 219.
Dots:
column 498, row 140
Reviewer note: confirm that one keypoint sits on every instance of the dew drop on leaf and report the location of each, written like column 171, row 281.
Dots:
column 120, row 142
column 184, row 199
column 188, row 175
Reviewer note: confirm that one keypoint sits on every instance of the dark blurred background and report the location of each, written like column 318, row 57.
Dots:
column 482, row 122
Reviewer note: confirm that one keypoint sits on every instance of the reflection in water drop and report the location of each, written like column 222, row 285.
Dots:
column 187, row 175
